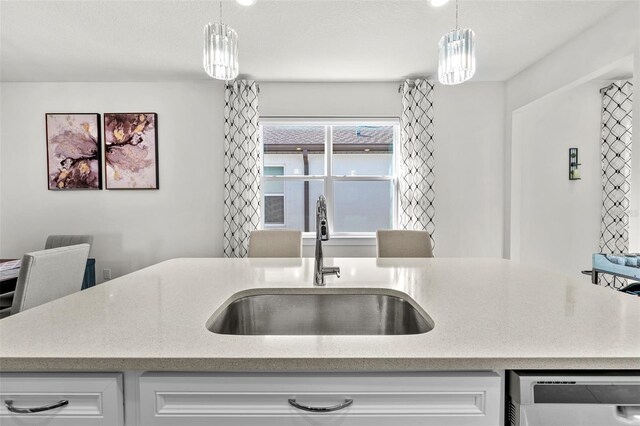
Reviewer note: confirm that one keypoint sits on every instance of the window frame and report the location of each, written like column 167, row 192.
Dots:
column 328, row 178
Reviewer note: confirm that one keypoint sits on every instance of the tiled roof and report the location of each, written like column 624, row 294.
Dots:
column 343, row 135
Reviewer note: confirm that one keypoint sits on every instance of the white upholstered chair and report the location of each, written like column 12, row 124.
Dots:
column 48, row 275
column 400, row 243
column 54, row 241
column 275, row 243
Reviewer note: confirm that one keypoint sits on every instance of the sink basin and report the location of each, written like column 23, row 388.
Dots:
column 319, row 313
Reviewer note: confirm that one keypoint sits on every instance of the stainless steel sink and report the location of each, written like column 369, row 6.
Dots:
column 319, row 313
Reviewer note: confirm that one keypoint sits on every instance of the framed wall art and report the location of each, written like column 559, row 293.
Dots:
column 131, row 150
column 73, row 151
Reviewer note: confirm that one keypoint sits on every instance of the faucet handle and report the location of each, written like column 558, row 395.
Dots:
column 334, row 270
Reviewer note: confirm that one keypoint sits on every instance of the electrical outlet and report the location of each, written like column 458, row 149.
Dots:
column 106, row 274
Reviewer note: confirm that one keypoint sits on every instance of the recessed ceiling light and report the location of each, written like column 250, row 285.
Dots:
column 436, row 3
column 249, row 2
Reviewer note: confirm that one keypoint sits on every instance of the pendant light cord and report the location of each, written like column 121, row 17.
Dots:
column 457, row 27
column 221, row 11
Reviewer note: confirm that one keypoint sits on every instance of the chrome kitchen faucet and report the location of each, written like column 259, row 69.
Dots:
column 322, row 234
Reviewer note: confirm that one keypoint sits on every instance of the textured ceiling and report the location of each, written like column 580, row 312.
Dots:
column 319, row 40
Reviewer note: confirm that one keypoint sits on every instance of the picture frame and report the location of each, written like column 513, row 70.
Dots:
column 131, row 150
column 74, row 158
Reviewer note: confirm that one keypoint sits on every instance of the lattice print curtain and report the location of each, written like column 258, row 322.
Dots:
column 616, row 171
column 242, row 166
column 416, row 176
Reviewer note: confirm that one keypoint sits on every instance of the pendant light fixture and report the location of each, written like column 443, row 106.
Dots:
column 220, row 50
column 457, row 58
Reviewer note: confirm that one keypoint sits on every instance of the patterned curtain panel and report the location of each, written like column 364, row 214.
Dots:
column 616, row 171
column 242, row 166
column 416, row 177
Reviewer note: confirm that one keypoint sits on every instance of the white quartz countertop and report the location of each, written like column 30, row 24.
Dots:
column 488, row 314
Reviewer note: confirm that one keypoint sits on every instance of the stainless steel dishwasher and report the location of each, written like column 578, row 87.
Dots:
column 584, row 398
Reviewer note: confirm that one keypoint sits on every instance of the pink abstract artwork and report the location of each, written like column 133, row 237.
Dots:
column 131, row 150
column 73, row 151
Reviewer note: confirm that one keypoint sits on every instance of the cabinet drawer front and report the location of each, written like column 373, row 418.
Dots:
column 203, row 403
column 93, row 399
column 442, row 399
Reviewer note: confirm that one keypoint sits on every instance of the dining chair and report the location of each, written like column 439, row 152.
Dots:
column 401, row 243
column 54, row 241
column 47, row 275
column 275, row 243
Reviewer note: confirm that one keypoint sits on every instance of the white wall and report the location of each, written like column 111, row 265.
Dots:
column 132, row 229
column 469, row 126
column 634, row 220
column 586, row 57
column 560, row 220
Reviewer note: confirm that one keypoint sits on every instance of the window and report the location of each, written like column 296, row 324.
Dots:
column 274, row 197
column 350, row 162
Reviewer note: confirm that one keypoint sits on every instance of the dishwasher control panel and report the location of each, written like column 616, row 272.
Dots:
column 568, row 398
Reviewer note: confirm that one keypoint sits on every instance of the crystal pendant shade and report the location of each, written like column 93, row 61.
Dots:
column 220, row 51
column 457, row 62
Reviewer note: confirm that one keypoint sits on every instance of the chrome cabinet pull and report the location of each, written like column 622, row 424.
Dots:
column 345, row 404
column 9, row 404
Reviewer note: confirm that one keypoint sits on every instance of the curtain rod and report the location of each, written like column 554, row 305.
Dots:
column 411, row 83
column 620, row 83
column 227, row 84
column 604, row 89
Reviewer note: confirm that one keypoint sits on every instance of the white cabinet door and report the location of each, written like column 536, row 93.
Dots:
column 442, row 399
column 69, row 399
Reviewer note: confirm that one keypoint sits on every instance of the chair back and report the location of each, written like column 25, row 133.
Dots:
column 48, row 275
column 275, row 243
column 54, row 241
column 401, row 243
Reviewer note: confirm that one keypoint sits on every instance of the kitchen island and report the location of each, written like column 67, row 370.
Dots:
column 489, row 315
